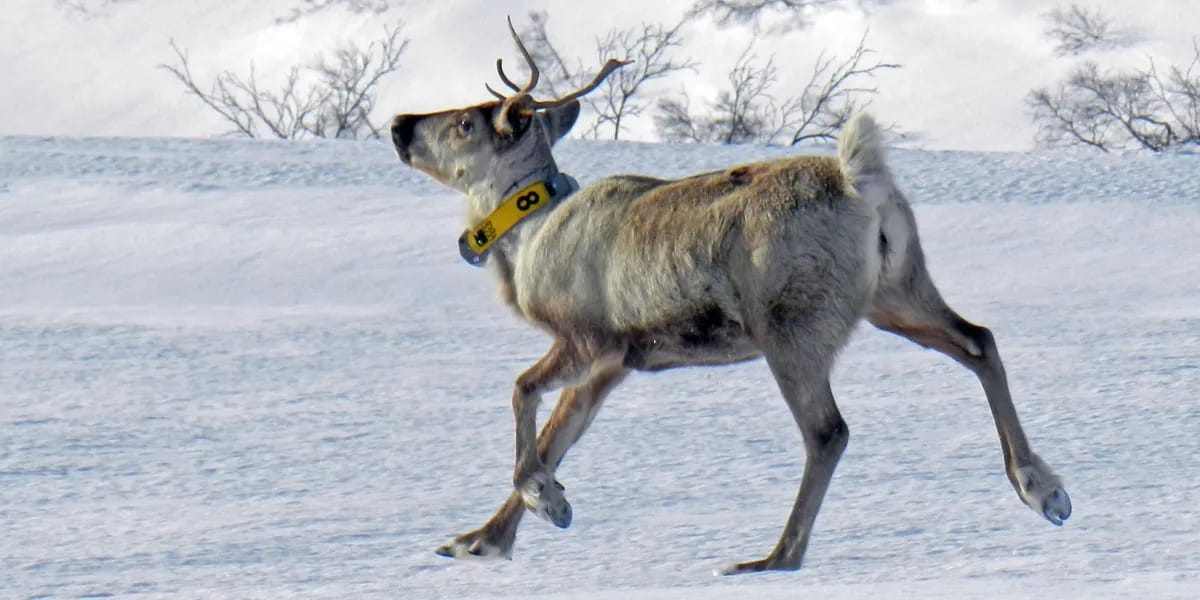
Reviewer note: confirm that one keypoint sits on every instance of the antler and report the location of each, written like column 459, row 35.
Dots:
column 500, row 69
column 522, row 92
column 610, row 66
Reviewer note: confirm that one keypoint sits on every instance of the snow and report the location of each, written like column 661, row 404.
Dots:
column 259, row 369
column 248, row 369
column 967, row 64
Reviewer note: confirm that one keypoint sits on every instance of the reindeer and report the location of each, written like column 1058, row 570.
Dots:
column 777, row 259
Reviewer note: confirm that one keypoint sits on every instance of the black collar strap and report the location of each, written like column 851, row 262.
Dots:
column 475, row 242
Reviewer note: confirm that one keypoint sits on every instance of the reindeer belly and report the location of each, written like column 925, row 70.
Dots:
column 704, row 335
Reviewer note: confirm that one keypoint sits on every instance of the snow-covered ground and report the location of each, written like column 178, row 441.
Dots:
column 249, row 370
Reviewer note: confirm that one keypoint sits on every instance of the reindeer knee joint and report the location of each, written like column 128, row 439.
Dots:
column 985, row 340
column 524, row 389
column 979, row 340
column 833, row 437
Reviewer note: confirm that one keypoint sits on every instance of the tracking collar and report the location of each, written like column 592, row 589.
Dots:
column 475, row 241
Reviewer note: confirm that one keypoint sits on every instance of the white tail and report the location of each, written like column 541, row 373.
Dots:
column 860, row 149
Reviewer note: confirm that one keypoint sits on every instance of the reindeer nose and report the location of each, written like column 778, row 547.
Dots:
column 402, row 135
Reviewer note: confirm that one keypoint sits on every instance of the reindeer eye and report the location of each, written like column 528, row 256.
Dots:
column 465, row 124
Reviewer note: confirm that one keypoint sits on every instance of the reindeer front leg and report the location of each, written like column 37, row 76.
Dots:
column 542, row 494
column 571, row 417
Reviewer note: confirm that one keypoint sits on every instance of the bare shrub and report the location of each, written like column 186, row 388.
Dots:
column 651, row 50
column 1137, row 108
column 784, row 14
column 771, row 16
column 676, row 123
column 329, row 97
column 748, row 112
column 1179, row 96
column 651, row 47
column 311, row 7
column 557, row 75
column 1076, row 30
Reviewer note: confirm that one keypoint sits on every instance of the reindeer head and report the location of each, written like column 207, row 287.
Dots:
column 487, row 148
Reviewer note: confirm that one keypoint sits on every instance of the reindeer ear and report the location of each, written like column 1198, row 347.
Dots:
column 560, row 119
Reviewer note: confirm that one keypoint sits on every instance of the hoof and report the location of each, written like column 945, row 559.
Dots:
column 475, row 546
column 754, row 566
column 1057, row 507
column 559, row 514
column 1041, row 490
column 547, row 501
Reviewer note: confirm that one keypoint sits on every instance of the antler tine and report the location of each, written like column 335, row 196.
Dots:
column 521, row 98
column 610, row 66
column 498, row 95
column 533, row 69
column 504, row 78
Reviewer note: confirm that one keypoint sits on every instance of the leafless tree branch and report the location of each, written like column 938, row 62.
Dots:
column 743, row 113
column 1179, row 96
column 337, row 104
column 748, row 111
column 351, row 79
column 786, row 14
column 675, row 122
column 830, row 98
column 557, row 75
column 1076, row 30
column 1115, row 110
column 651, row 50
column 311, row 7
column 651, row 47
column 218, row 97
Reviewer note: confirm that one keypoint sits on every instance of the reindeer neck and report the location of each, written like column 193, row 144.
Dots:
column 484, row 200
column 486, row 196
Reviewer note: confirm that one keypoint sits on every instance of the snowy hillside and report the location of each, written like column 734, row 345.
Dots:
column 87, row 67
column 245, row 370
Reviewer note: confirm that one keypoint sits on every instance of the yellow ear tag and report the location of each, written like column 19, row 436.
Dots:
column 475, row 241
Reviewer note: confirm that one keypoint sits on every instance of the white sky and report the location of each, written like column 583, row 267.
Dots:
column 968, row 64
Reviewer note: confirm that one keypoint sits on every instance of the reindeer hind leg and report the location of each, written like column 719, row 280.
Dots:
column 914, row 309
